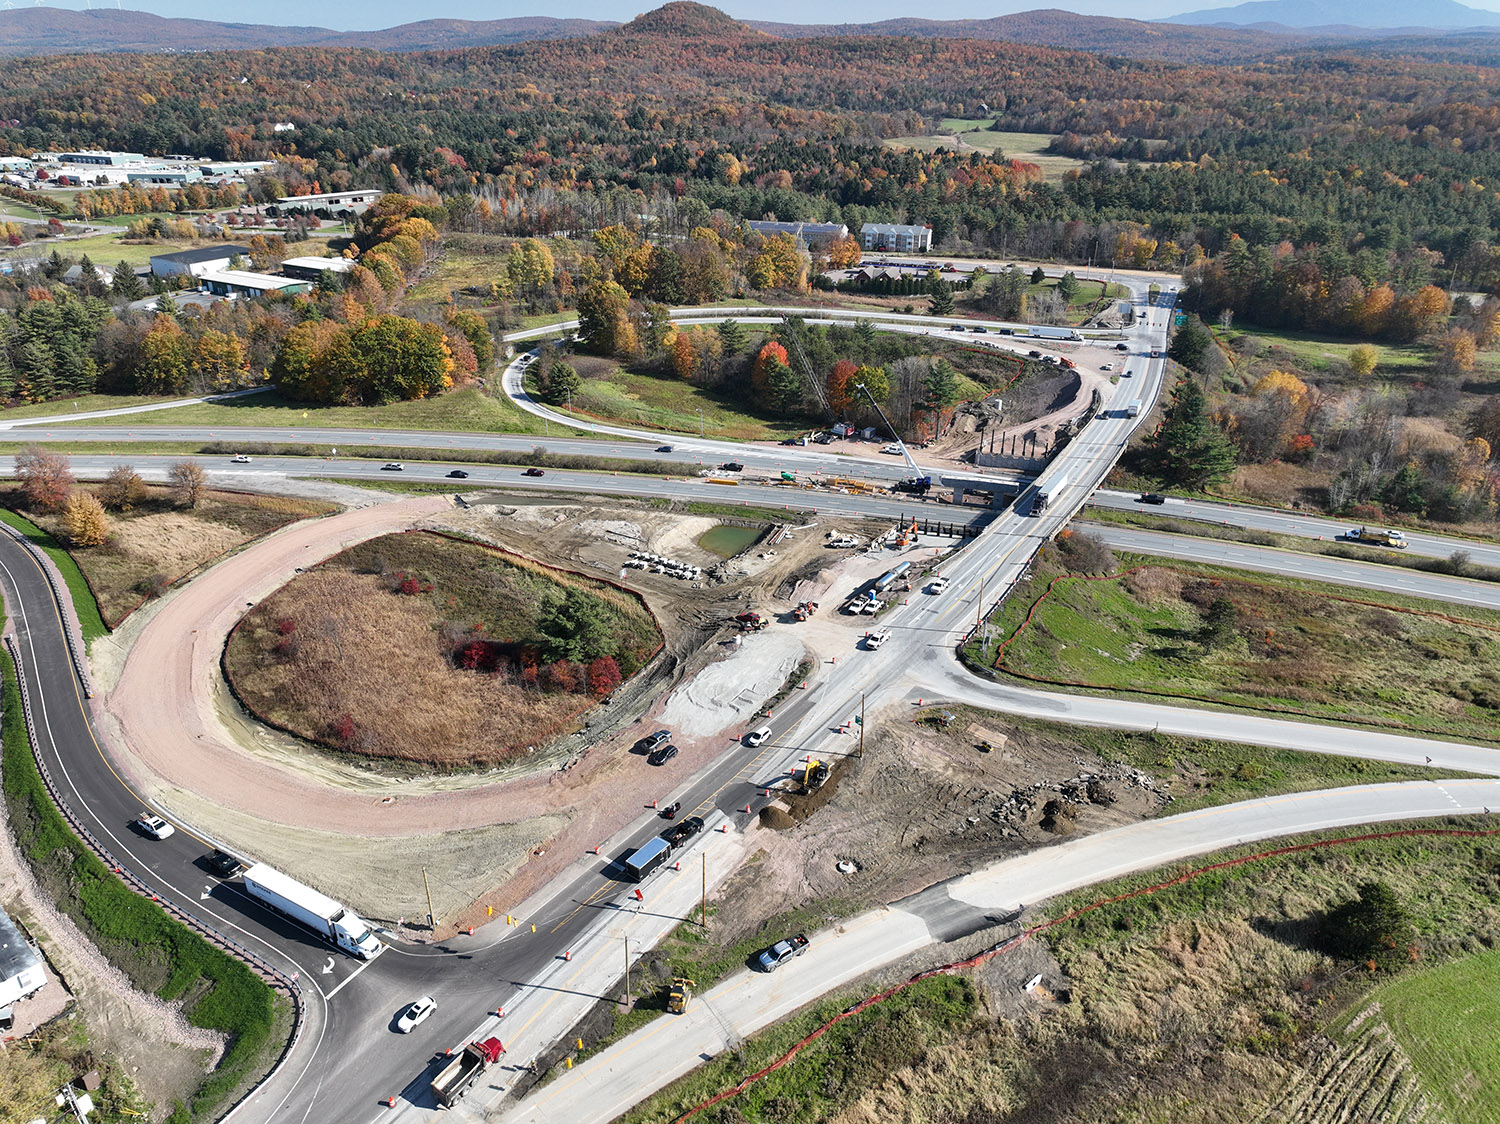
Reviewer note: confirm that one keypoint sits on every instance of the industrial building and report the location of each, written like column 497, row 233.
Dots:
column 332, row 204
column 196, row 262
column 94, row 157
column 22, row 970
column 244, row 283
column 312, row 269
column 895, row 236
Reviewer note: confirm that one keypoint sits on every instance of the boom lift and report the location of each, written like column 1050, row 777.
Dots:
column 919, row 482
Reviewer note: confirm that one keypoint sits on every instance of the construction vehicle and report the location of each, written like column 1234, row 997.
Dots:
column 677, row 998
column 814, row 773
column 751, row 622
column 1393, row 539
column 919, row 482
column 805, row 609
column 892, row 576
column 454, row 1079
column 907, row 535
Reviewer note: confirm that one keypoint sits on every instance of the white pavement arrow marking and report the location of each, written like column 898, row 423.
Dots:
column 328, row 967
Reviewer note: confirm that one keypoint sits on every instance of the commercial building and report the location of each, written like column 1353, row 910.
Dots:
column 895, row 236
column 232, row 169
column 244, row 283
column 196, row 262
column 22, row 970
column 164, row 174
column 311, row 269
column 811, row 233
column 330, row 204
column 97, row 158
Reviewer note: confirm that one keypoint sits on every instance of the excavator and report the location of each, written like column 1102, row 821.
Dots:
column 678, row 996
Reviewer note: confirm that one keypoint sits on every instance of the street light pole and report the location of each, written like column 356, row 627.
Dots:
column 861, row 751
column 627, row 973
column 700, row 421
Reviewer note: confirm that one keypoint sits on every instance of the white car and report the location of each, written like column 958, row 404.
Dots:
column 392, row 467
column 416, row 1014
column 938, row 586
column 893, row 450
column 239, row 458
column 1107, row 367
column 756, row 737
column 153, row 825
column 876, row 639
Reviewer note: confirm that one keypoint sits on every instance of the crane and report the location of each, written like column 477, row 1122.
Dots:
column 920, row 481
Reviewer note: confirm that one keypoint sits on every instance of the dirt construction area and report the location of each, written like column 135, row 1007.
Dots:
column 337, row 822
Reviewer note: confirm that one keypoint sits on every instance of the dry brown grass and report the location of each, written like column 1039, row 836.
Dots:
column 174, row 542
column 360, row 650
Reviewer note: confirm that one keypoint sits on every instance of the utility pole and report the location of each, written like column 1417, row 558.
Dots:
column 627, row 973
column 979, row 609
column 431, row 920
column 700, row 421
column 861, row 751
column 704, row 921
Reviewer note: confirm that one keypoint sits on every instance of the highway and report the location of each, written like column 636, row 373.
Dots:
column 349, row 1057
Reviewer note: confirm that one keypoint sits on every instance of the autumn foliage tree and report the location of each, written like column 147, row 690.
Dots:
column 122, row 489
column 83, row 520
column 46, row 478
column 188, row 481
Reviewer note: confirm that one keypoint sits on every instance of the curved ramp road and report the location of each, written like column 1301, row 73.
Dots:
column 606, row 1085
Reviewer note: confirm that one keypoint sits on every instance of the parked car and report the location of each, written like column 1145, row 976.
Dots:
column 153, row 825
column 653, row 741
column 662, row 755
column 416, row 1014
column 782, row 951
column 392, row 467
column 683, row 830
column 458, row 474
column 893, row 450
column 533, row 472
column 1106, row 366
column 1152, row 497
column 223, row 864
column 239, row 458
column 664, row 448
column 732, row 466
column 792, row 440
column 757, row 737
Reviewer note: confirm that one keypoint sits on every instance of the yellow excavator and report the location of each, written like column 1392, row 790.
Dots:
column 677, row 998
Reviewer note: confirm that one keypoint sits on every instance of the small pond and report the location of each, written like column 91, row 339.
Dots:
column 726, row 541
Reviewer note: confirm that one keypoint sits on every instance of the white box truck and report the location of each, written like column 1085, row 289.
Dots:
column 1134, row 409
column 318, row 912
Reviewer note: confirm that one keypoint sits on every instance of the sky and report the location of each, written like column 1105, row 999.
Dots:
column 367, row 15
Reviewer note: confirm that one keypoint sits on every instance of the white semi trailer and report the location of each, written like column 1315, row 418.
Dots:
column 320, row 913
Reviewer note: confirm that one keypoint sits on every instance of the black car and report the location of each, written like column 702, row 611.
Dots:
column 652, row 741
column 458, row 474
column 682, row 831
column 223, row 864
column 664, row 448
column 792, row 441
column 1122, row 347
column 732, row 466
column 533, row 472
column 1152, row 497
column 662, row 755
column 955, row 327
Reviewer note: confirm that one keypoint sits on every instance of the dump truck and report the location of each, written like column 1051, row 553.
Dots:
column 320, row 913
column 1376, row 537
column 677, row 998
column 646, row 858
column 455, row 1078
column 805, row 609
column 751, row 622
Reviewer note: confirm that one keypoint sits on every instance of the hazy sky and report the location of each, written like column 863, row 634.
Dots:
column 363, row 15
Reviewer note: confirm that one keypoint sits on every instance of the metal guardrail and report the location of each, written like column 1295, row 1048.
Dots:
column 271, row 974
column 71, row 631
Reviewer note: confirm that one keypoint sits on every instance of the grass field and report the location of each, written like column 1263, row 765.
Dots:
column 666, row 403
column 975, row 133
column 461, row 411
column 1445, row 1019
column 1312, row 352
column 108, row 250
column 62, row 407
column 1288, row 647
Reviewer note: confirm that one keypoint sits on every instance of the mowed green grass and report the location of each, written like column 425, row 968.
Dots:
column 462, row 411
column 672, row 405
column 976, row 134
column 1296, row 647
column 108, row 250
column 1447, row 1021
column 1313, row 352
column 84, row 403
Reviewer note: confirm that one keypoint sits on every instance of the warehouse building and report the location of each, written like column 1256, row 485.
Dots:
column 312, row 269
column 244, row 283
column 196, row 262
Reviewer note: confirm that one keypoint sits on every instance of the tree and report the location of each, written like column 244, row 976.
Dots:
column 46, row 478
column 1188, row 449
column 122, row 488
column 1373, row 926
column 942, row 299
column 732, row 336
column 218, row 361
column 1038, row 275
column 1406, row 490
column 1363, row 358
column 126, row 286
column 603, row 676
column 1068, row 286
column 684, row 356
column 188, row 481
column 1457, row 352
column 841, row 386
column 604, row 319
column 574, row 626
column 941, row 386
column 400, row 360
column 1484, row 422
column 1218, row 623
column 164, row 358
column 84, row 521
column 1191, row 344
column 875, row 380
column 559, row 382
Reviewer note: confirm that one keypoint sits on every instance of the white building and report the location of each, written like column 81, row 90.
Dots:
column 196, row 262
column 311, row 269
column 244, row 283
column 810, row 233
column 96, row 157
column 332, row 204
column 895, row 236
column 22, row 970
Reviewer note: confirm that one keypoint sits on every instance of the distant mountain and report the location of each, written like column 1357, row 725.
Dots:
column 1440, row 15
column 1051, row 27
column 41, row 31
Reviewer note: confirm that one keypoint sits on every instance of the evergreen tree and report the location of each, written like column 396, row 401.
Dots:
column 1188, row 449
column 1191, row 344
column 1374, row 926
column 1068, row 286
column 1038, row 275
column 942, row 299
column 940, row 389
column 732, row 336
column 126, row 285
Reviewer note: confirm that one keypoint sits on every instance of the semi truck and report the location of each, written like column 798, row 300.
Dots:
column 320, row 913
column 455, row 1078
column 1377, row 537
column 1043, row 332
column 1045, row 493
column 646, row 858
